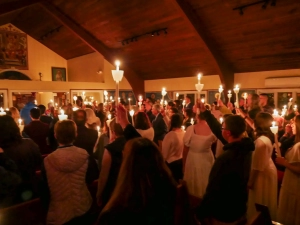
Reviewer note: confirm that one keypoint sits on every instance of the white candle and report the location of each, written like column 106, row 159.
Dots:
column 2, row 113
column 202, row 100
column 62, row 115
column 199, row 77
column 183, row 128
column 245, row 96
column 98, row 129
column 221, row 120
column 274, row 128
column 236, row 91
column 192, row 121
column 177, row 95
column 131, row 113
column 117, row 64
column 129, row 103
column 20, row 121
column 109, row 116
column 275, row 113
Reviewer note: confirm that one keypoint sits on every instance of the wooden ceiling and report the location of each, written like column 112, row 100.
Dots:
column 202, row 36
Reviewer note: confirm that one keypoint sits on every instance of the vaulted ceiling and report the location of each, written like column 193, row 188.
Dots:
column 205, row 36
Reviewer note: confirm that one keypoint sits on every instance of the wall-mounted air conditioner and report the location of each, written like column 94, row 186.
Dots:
column 282, row 82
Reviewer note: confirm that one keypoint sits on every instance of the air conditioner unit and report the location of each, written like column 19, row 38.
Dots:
column 282, row 82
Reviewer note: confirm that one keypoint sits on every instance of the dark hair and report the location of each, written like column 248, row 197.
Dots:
column 177, row 102
column 188, row 97
column 171, row 104
column 236, row 125
column 189, row 112
column 263, row 122
column 254, row 101
column 174, row 110
column 9, row 132
column 79, row 117
column 35, row 113
column 201, row 116
column 143, row 175
column 176, row 121
column 89, row 106
column 141, row 121
column 116, row 128
column 42, row 109
column 264, row 94
column 65, row 131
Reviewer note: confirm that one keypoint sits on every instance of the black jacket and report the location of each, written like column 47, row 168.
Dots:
column 86, row 138
column 226, row 194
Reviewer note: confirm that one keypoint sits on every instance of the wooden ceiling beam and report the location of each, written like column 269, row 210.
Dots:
column 136, row 82
column 224, row 69
column 9, row 7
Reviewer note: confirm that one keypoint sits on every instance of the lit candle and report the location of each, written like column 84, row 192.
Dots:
column 2, row 113
column 109, row 116
column 20, row 121
column 236, row 91
column 199, row 77
column 177, row 95
column 229, row 95
column 245, row 96
column 166, row 102
column 275, row 113
column 98, row 129
column 202, row 100
column 274, row 128
column 220, row 91
column 183, row 128
column 295, row 108
column 7, row 109
column 192, row 121
column 131, row 112
column 75, row 108
column 62, row 115
column 221, row 120
column 35, row 102
column 56, row 105
column 117, row 64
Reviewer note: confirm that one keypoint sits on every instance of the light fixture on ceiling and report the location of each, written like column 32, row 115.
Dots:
column 152, row 34
column 264, row 3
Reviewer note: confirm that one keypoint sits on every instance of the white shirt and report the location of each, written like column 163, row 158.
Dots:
column 172, row 146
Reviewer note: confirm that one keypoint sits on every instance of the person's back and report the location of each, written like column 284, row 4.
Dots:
column 145, row 192
column 25, row 112
column 38, row 131
column 65, row 171
column 86, row 138
column 226, row 195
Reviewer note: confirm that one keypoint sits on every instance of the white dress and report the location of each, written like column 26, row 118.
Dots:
column 264, row 190
column 199, row 161
column 289, row 200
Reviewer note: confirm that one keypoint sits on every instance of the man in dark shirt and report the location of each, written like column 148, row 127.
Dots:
column 148, row 106
column 86, row 138
column 101, row 114
column 226, row 195
column 44, row 118
column 38, row 131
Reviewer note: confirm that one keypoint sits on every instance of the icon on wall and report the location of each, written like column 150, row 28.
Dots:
column 58, row 74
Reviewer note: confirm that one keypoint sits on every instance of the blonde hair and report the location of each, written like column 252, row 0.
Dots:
column 15, row 114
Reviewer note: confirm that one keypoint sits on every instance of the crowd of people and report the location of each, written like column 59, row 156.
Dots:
column 225, row 155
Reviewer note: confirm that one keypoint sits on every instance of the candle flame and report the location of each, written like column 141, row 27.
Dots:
column 62, row 112
column 117, row 62
column 273, row 124
column 229, row 92
column 199, row 76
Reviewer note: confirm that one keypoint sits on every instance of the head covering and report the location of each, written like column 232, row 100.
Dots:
column 90, row 116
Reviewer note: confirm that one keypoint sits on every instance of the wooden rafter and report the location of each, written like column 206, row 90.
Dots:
column 12, row 6
column 225, row 71
column 136, row 82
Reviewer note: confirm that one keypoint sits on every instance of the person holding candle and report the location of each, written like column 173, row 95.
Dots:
column 91, row 120
column 198, row 157
column 188, row 103
column 15, row 114
column 263, row 176
column 25, row 154
column 188, row 116
column 266, row 103
column 289, row 200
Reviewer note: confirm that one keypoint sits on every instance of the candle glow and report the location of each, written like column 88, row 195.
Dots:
column 117, row 62
column 20, row 121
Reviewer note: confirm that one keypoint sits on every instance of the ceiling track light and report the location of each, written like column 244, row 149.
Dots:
column 152, row 34
column 49, row 33
column 263, row 2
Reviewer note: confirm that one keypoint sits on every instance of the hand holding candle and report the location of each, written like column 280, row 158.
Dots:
column 229, row 95
column 62, row 115
column 274, row 130
column 236, row 91
column 192, row 121
column 131, row 112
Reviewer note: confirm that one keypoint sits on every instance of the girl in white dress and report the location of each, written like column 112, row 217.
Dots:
column 198, row 157
column 289, row 200
column 263, row 176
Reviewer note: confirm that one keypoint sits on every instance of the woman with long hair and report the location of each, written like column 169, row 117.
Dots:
column 172, row 146
column 145, row 191
column 15, row 114
column 198, row 157
column 289, row 199
column 263, row 176
column 24, row 152
column 143, row 126
column 188, row 115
